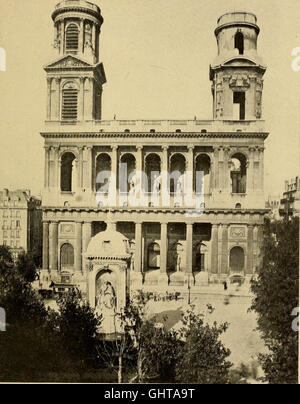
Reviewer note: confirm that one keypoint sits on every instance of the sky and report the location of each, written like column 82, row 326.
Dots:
column 156, row 55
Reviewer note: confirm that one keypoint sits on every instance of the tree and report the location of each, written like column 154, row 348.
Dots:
column 77, row 325
column 26, row 267
column 276, row 291
column 202, row 358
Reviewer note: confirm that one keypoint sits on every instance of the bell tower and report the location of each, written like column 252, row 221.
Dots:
column 76, row 78
column 237, row 72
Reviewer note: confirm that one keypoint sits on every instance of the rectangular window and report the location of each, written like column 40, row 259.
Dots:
column 239, row 105
column 5, row 234
column 18, row 224
column 5, row 213
column 13, row 224
column 18, row 213
column 18, row 234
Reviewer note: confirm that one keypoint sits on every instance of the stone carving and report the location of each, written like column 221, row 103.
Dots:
column 238, row 232
column 67, row 228
column 239, row 80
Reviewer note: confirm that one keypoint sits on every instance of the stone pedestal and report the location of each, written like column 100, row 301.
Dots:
column 163, row 280
column 201, row 279
column 136, row 280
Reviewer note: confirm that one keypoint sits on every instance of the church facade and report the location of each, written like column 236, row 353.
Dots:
column 185, row 196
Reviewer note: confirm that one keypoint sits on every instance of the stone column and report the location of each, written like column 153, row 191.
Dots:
column 81, row 35
column 189, row 248
column 163, row 278
column 165, row 171
column 138, row 247
column 189, row 186
column 58, row 112
column 115, row 174
column 136, row 276
column 214, row 249
column 224, row 261
column 49, row 83
column 215, row 170
column 53, row 246
column 78, row 248
column 250, row 261
column 47, row 158
column 261, row 159
column 62, row 32
column 46, row 246
column 81, row 100
column 139, row 170
column 250, row 171
column 86, row 235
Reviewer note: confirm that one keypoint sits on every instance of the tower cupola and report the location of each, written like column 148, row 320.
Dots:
column 237, row 72
column 77, row 29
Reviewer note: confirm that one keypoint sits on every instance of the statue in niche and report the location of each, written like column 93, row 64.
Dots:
column 107, row 299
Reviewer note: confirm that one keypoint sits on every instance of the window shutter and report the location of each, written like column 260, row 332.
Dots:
column 70, row 104
column 72, row 40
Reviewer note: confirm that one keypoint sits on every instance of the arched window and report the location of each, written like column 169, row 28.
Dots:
column 153, row 171
column 67, row 256
column 238, row 173
column 103, row 172
column 238, row 206
column 72, row 38
column 237, row 259
column 127, row 178
column 70, row 102
column 177, row 170
column 67, row 172
column 202, row 166
column 239, row 42
column 154, row 256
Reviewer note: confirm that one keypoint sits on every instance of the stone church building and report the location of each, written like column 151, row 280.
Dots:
column 139, row 227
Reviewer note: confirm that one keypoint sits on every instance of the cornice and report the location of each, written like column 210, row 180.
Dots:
column 168, row 135
column 183, row 211
column 79, row 9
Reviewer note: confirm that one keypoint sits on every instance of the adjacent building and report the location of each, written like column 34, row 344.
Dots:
column 290, row 201
column 21, row 222
column 171, row 231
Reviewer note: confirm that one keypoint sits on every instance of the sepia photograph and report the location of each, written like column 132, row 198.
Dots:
column 149, row 194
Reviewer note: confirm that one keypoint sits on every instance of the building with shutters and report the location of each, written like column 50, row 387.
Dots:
column 177, row 234
column 21, row 222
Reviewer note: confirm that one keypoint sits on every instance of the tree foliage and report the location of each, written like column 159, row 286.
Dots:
column 276, row 291
column 202, row 358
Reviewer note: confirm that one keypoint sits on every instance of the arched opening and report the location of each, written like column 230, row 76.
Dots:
column 200, row 252
column 67, row 172
column 237, row 259
column 203, row 169
column 69, row 102
column 153, row 172
column 154, row 256
column 72, row 38
column 238, row 206
column 239, row 42
column 66, row 257
column 127, row 179
column 238, row 173
column 177, row 170
column 176, row 257
column 103, row 172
